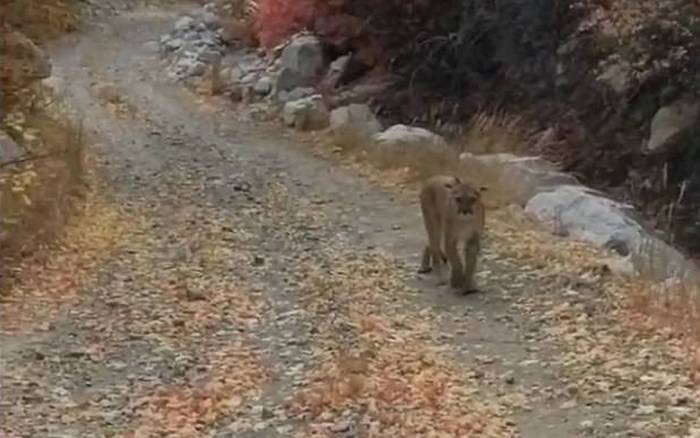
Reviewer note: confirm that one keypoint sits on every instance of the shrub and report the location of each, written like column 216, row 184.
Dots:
column 276, row 20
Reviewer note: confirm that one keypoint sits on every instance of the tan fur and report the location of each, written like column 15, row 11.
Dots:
column 454, row 217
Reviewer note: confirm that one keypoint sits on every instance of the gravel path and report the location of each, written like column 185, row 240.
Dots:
column 224, row 281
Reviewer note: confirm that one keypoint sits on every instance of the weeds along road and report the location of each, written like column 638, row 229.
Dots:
column 223, row 281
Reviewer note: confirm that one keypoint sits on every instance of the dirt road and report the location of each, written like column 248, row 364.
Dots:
column 228, row 283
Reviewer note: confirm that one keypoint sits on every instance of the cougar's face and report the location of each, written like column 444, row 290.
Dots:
column 465, row 199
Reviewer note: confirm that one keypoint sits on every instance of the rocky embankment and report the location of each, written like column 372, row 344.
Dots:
column 309, row 91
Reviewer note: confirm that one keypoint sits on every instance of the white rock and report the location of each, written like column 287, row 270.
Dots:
column 354, row 125
column 403, row 138
column 586, row 215
column 263, row 86
column 310, row 113
column 184, row 23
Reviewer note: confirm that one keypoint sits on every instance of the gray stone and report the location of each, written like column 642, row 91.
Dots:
column 187, row 66
column 263, row 86
column 586, row 215
column 336, row 73
column 354, row 125
column 302, row 63
column 173, row 44
column 208, row 56
column 669, row 123
column 310, row 113
column 407, row 139
column 9, row 150
column 184, row 23
column 211, row 20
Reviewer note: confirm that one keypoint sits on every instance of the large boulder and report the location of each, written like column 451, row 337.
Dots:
column 354, row 125
column 584, row 214
column 406, row 139
column 521, row 177
column 669, row 123
column 302, row 63
column 9, row 150
column 310, row 113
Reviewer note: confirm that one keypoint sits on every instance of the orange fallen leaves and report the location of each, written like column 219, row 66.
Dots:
column 185, row 411
column 402, row 385
column 48, row 279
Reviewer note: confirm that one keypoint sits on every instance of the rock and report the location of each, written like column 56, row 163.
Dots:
column 210, row 20
column 407, row 139
column 295, row 94
column 263, row 86
column 208, row 56
column 669, row 123
column 336, row 73
column 310, row 113
column 9, row 150
column 302, row 63
column 173, row 44
column 184, row 23
column 521, row 177
column 187, row 66
column 586, row 215
column 354, row 125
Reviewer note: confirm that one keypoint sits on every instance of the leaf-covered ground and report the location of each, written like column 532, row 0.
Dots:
column 224, row 280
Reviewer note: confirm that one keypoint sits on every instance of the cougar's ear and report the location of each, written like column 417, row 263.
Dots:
column 457, row 180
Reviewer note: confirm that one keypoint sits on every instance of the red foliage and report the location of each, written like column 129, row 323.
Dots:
column 276, row 20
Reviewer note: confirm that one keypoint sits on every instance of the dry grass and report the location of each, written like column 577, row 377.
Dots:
column 485, row 133
column 37, row 196
column 497, row 132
